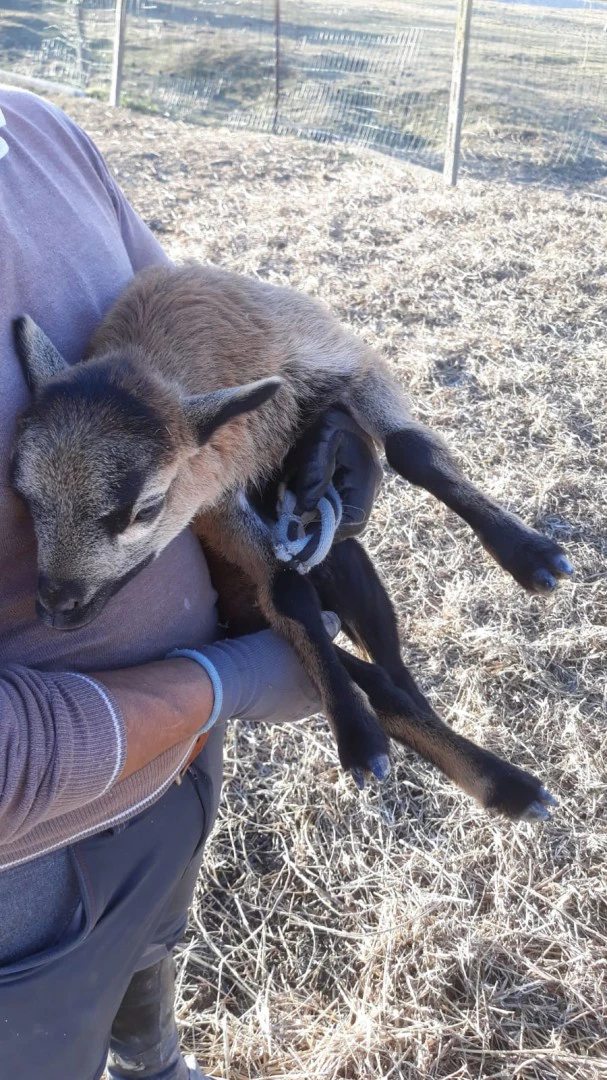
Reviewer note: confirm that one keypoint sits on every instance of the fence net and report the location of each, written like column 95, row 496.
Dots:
column 372, row 74
column 536, row 100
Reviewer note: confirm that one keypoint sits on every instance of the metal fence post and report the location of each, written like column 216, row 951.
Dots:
column 118, row 53
column 458, row 86
column 276, row 64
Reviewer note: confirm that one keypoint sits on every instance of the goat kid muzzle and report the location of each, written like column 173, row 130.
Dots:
column 62, row 604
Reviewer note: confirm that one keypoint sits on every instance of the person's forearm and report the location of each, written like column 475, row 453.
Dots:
column 162, row 704
column 67, row 737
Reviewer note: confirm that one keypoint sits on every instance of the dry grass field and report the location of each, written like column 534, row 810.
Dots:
column 404, row 933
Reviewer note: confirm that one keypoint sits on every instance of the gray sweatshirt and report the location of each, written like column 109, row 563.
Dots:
column 69, row 242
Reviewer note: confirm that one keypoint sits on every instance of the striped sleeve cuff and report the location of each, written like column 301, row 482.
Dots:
column 113, row 749
column 62, row 745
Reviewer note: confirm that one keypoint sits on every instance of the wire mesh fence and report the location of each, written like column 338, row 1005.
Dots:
column 66, row 41
column 536, row 97
column 374, row 74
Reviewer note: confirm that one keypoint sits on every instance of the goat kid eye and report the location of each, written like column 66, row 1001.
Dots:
column 148, row 513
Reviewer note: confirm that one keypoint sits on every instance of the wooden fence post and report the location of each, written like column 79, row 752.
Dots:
column 118, row 54
column 458, row 87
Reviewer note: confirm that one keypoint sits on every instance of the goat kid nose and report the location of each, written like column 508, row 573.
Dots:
column 59, row 596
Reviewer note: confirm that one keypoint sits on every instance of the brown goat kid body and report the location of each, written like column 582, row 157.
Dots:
column 196, row 386
column 204, row 329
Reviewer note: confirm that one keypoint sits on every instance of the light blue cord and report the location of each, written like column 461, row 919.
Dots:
column 329, row 510
column 211, row 671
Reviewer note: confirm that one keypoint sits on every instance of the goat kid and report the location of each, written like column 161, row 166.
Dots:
column 194, row 389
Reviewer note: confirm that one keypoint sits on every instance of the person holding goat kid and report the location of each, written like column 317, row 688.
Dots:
column 98, row 844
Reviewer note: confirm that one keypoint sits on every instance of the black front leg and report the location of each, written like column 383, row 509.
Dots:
column 533, row 560
column 292, row 607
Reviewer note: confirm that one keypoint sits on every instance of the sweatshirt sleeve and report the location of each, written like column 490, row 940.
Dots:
column 62, row 745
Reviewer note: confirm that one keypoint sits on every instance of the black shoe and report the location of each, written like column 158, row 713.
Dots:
column 144, row 1043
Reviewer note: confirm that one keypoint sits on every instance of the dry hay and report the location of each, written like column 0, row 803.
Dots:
column 404, row 933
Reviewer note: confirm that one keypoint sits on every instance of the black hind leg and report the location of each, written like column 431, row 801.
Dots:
column 348, row 584
column 496, row 784
column 535, row 561
column 291, row 606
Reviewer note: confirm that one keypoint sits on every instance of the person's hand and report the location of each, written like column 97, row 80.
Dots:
column 259, row 677
column 336, row 451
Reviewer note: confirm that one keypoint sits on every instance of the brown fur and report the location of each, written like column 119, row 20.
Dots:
column 204, row 329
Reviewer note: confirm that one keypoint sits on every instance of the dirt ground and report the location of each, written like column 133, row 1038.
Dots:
column 404, row 932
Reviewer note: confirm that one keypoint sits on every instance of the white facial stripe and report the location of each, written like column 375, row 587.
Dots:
column 135, row 533
column 150, row 500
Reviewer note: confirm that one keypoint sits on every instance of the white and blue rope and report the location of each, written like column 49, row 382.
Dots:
column 297, row 535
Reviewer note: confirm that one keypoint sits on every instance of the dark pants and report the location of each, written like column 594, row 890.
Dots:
column 136, row 884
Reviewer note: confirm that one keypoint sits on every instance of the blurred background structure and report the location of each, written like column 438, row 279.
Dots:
column 374, row 73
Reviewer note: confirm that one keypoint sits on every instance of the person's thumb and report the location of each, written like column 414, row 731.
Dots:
column 332, row 623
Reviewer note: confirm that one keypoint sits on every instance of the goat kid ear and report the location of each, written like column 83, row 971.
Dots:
column 207, row 412
column 39, row 358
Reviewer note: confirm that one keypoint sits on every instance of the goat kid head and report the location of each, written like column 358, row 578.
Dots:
column 104, row 458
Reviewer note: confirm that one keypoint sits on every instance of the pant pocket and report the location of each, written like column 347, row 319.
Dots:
column 45, row 910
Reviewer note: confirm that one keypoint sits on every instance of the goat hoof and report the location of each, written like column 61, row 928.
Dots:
column 544, row 581
column 539, row 809
column 518, row 795
column 562, row 566
column 543, row 565
column 380, row 766
column 535, row 561
column 551, row 564
column 359, row 778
